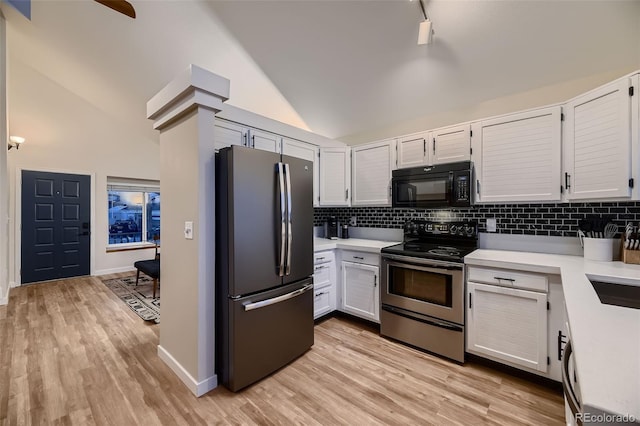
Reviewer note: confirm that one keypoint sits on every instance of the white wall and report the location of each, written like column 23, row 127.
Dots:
column 66, row 133
column 4, row 189
column 504, row 105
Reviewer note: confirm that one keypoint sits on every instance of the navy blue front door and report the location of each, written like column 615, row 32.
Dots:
column 56, row 213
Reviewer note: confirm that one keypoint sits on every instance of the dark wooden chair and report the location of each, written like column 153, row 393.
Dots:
column 150, row 268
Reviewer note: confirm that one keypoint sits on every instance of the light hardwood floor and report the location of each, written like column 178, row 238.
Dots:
column 72, row 353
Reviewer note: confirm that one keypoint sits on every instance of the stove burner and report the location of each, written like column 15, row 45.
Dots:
column 445, row 251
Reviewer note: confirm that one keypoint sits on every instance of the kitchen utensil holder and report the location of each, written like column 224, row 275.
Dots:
column 629, row 256
column 600, row 249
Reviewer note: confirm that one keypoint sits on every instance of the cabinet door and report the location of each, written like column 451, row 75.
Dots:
column 307, row 152
column 517, row 157
column 335, row 176
column 598, row 143
column 227, row 134
column 371, row 171
column 507, row 324
column 360, row 290
column 451, row 144
column 265, row 141
column 413, row 150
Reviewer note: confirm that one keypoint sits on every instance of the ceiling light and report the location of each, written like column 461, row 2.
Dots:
column 15, row 142
column 425, row 32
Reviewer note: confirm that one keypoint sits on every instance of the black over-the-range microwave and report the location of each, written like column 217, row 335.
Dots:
column 440, row 185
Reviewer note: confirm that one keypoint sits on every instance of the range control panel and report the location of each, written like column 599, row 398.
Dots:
column 420, row 228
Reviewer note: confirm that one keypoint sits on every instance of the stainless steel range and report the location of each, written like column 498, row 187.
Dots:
column 423, row 291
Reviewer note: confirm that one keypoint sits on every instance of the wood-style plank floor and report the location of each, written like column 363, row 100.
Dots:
column 72, row 353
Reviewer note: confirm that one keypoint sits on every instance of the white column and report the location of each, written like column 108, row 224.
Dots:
column 4, row 177
column 184, row 112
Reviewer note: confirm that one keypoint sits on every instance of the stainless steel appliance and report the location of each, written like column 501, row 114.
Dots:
column 423, row 286
column 441, row 185
column 264, row 263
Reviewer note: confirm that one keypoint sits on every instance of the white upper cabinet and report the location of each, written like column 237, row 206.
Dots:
column 306, row 152
column 335, row 176
column 451, row 144
column 413, row 150
column 227, row 134
column 264, row 140
column 371, row 170
column 597, row 145
column 635, row 135
column 517, row 157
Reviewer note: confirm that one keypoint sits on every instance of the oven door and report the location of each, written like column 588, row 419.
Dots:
column 426, row 190
column 427, row 287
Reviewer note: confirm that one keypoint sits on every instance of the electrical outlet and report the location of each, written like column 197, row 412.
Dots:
column 188, row 230
column 491, row 225
column 353, row 221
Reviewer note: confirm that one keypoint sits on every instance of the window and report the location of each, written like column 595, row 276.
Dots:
column 133, row 211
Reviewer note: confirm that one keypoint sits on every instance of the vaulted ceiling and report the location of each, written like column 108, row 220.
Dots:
column 336, row 67
column 350, row 66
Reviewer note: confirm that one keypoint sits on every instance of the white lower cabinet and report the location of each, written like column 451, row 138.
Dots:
column 361, row 290
column 509, row 324
column 513, row 319
column 324, row 284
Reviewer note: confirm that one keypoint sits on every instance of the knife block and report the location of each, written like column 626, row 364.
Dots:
column 629, row 256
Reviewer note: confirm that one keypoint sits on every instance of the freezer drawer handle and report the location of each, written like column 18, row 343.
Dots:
column 283, row 226
column 268, row 302
column 289, row 229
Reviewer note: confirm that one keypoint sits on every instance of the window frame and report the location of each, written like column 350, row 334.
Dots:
column 144, row 187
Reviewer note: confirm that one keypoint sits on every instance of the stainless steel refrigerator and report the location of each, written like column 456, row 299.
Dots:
column 264, row 263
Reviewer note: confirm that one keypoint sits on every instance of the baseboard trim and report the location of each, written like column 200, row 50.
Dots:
column 5, row 300
column 13, row 284
column 197, row 388
column 114, row 270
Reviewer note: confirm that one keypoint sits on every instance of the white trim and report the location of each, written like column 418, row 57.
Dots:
column 5, row 300
column 193, row 87
column 13, row 284
column 197, row 388
column 139, row 245
column 113, row 270
column 18, row 217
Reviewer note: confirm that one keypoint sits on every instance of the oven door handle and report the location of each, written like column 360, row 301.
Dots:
column 421, row 263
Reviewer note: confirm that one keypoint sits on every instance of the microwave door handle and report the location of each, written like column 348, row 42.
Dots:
column 450, row 196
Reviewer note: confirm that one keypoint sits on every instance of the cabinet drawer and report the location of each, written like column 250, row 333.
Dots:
column 508, row 278
column 323, row 257
column 321, row 302
column 322, row 275
column 361, row 257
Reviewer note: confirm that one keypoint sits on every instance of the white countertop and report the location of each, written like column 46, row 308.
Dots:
column 371, row 246
column 605, row 338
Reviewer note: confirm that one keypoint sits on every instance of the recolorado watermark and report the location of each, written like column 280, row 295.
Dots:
column 605, row 418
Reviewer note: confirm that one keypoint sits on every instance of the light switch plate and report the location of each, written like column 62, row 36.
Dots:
column 188, row 230
column 491, row 225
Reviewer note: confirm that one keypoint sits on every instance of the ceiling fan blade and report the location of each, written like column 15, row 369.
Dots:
column 121, row 6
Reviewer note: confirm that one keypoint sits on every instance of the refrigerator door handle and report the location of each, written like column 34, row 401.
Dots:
column 283, row 227
column 273, row 301
column 289, row 229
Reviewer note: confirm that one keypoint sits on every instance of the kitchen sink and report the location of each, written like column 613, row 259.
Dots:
column 616, row 294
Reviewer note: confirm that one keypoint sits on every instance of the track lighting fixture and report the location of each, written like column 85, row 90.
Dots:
column 426, row 28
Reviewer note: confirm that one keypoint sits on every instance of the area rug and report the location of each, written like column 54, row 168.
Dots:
column 139, row 298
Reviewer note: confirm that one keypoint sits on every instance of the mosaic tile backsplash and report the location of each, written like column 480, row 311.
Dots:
column 533, row 219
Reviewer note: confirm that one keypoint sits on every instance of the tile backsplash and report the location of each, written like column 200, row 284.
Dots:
column 533, row 219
